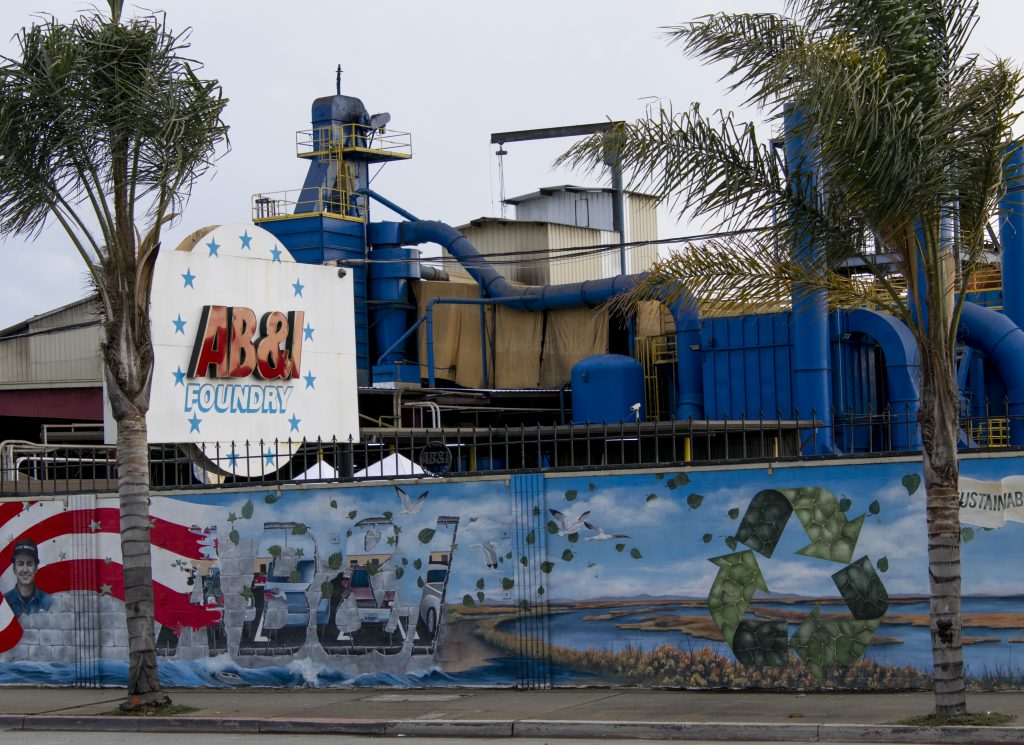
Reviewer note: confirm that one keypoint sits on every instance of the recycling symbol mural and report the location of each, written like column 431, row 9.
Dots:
column 819, row 641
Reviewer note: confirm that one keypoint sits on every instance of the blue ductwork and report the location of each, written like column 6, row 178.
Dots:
column 1002, row 341
column 903, row 368
column 690, row 396
column 812, row 372
column 1011, row 233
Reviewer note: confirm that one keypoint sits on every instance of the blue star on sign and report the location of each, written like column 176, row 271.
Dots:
column 245, row 238
column 189, row 278
column 194, row 423
column 276, row 253
column 294, row 421
column 179, row 325
column 233, row 458
column 307, row 332
column 298, row 287
column 269, row 457
column 214, row 247
column 309, row 377
column 179, row 376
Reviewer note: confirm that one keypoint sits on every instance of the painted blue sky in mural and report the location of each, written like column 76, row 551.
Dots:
column 665, row 531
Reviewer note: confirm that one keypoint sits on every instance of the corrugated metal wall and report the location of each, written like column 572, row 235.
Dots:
column 747, row 366
column 68, row 356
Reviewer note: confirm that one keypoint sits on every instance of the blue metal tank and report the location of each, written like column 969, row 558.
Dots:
column 607, row 388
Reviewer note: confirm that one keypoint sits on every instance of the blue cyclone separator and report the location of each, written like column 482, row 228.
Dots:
column 690, row 391
column 1003, row 342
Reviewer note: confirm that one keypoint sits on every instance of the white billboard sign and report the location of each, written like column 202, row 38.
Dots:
column 254, row 352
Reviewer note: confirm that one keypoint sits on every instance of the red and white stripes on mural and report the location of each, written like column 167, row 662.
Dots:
column 79, row 549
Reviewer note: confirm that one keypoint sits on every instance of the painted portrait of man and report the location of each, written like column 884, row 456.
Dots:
column 25, row 598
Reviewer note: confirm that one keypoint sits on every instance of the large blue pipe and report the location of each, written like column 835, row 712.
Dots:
column 1003, row 342
column 690, row 391
column 1011, row 233
column 812, row 369
column 903, row 370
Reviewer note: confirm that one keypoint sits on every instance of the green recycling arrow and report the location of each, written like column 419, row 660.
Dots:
column 738, row 577
column 833, row 537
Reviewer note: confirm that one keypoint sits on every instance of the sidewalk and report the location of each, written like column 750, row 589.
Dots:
column 486, row 712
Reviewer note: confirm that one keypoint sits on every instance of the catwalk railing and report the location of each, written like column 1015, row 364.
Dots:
column 387, row 453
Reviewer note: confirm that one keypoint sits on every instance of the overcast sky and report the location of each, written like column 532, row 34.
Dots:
column 451, row 72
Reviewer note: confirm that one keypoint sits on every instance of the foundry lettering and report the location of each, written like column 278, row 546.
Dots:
column 235, row 398
column 231, row 343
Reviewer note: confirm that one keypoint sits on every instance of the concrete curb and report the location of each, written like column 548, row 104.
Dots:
column 537, row 728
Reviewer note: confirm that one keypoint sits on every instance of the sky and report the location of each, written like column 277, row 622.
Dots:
column 450, row 72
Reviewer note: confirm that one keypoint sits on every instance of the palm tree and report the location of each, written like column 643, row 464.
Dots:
column 105, row 126
column 902, row 132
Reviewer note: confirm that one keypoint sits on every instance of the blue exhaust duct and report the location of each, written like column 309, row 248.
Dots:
column 690, row 396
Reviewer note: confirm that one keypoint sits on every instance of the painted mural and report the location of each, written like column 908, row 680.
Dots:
column 799, row 577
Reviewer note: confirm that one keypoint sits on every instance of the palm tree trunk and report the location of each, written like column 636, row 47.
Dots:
column 939, row 406
column 133, row 490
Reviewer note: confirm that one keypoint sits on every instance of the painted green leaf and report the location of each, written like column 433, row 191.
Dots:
column 334, row 503
column 480, row 584
column 232, row 517
column 874, row 508
column 274, row 550
column 524, row 604
column 695, row 500
column 883, row 564
column 967, row 535
column 567, row 555
column 659, row 476
column 531, row 538
column 468, row 600
column 352, row 515
column 552, row 527
column 426, row 535
column 271, row 498
column 570, row 495
column 671, row 483
column 405, row 562
column 635, row 553
column 480, row 596
column 417, row 564
column 294, row 576
column 372, row 569
column 419, row 582
column 651, row 497
column 389, row 515
column 246, row 592
column 508, row 555
column 334, row 561
column 524, row 561
column 540, row 589
column 731, row 542
column 247, row 509
column 300, row 529
column 326, row 588
column 707, row 538
column 845, row 504
column 547, row 566
column 620, row 547
column 573, row 537
column 399, row 572
column 536, row 512
column 507, row 583
column 911, row 482
column 233, row 537
column 734, row 513
column 592, row 486
column 348, row 533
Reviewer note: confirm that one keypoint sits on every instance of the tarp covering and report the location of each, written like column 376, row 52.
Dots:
column 395, row 464
column 572, row 334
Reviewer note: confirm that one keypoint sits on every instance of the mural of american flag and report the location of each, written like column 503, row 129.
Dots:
column 79, row 550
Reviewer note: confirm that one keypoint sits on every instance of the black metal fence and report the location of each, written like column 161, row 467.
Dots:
column 386, row 453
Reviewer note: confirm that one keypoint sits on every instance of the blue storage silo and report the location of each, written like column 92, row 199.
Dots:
column 607, row 388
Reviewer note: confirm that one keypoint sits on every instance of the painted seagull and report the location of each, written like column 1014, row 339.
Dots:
column 371, row 539
column 409, row 507
column 490, row 549
column 570, row 526
column 601, row 535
